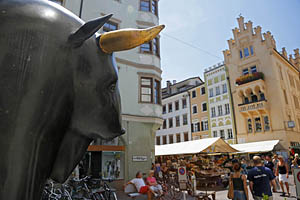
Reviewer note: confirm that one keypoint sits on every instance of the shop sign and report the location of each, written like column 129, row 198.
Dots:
column 297, row 181
column 139, row 158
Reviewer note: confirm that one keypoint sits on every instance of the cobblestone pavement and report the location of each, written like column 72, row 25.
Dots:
column 222, row 195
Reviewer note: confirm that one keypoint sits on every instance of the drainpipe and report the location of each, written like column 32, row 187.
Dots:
column 233, row 114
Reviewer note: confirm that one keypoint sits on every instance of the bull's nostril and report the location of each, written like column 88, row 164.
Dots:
column 123, row 131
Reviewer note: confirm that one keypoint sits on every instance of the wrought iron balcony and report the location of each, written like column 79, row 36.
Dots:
column 249, row 78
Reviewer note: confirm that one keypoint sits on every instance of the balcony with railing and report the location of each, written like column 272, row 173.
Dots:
column 249, row 78
column 258, row 107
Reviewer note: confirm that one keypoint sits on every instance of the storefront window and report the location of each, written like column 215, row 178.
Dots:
column 113, row 165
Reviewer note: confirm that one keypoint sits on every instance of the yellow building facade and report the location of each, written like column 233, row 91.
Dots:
column 199, row 112
column 265, row 86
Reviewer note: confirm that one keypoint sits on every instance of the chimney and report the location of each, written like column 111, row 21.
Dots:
column 169, row 87
column 174, row 82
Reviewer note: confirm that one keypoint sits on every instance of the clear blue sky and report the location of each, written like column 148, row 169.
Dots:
column 208, row 24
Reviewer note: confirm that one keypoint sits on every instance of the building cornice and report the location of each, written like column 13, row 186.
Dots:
column 138, row 65
column 144, row 119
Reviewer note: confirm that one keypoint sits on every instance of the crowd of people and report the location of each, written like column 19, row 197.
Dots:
column 268, row 175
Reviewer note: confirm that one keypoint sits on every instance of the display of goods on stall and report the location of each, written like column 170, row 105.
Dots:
column 210, row 175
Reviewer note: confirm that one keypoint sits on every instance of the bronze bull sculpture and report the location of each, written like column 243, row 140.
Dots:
column 58, row 91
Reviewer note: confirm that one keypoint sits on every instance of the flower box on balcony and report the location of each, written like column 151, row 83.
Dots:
column 249, row 77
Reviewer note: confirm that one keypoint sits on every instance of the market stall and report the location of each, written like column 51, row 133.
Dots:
column 204, row 160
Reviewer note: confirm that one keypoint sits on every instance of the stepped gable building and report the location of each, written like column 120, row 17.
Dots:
column 265, row 85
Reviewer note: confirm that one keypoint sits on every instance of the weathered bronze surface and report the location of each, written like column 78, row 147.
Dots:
column 58, row 92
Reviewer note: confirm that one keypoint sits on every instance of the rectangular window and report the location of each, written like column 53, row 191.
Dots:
column 204, row 107
column 155, row 43
column 215, row 133
column 213, row 112
column 205, row 125
column 177, row 121
column 146, row 90
column 195, row 110
column 176, row 105
column 224, row 87
column 217, row 90
column 222, row 134
column 257, row 124
column 220, row 111
column 285, row 97
column 154, row 7
column 211, row 92
column 249, row 125
column 251, row 50
column 178, row 139
column 186, row 137
column 165, row 124
column 241, row 54
column 164, row 139
column 146, row 48
column 246, row 52
column 202, row 90
column 194, row 94
column 157, row 98
column 164, row 109
column 170, row 107
column 245, row 71
column 266, row 123
column 170, row 122
column 145, row 5
column 196, row 127
column 171, row 141
column 110, row 26
column 253, row 69
column 184, row 119
column 183, row 103
column 157, row 140
column 229, row 133
column 227, row 109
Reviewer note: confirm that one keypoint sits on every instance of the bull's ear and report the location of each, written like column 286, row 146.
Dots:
column 87, row 30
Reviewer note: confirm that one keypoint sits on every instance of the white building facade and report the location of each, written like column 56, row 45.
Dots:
column 176, row 111
column 139, row 83
column 221, row 115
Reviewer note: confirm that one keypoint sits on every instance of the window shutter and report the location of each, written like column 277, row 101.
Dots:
column 192, row 127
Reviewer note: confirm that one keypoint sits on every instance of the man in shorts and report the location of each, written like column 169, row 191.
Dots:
column 260, row 178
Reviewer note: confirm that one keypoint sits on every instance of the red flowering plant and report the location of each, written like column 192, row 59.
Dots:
column 249, row 77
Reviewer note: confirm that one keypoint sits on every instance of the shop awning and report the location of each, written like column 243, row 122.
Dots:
column 209, row 145
column 258, row 147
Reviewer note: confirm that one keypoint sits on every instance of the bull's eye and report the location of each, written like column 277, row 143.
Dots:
column 112, row 87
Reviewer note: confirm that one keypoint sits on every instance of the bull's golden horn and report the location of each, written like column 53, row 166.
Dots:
column 125, row 39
